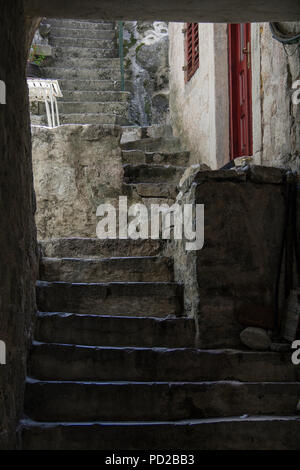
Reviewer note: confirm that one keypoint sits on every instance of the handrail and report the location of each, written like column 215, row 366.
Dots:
column 121, row 54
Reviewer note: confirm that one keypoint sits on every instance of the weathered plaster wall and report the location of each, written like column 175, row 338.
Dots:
column 200, row 109
column 146, row 48
column 197, row 108
column 276, row 119
column 18, row 254
column 76, row 168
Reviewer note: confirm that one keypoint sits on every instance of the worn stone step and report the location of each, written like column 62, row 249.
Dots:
column 135, row 157
column 77, row 247
column 86, row 33
column 156, row 401
column 102, row 96
column 133, row 269
column 150, row 190
column 89, row 107
column 81, row 74
column 75, row 52
column 152, row 299
column 155, row 144
column 87, row 62
column 69, row 362
column 89, row 85
column 80, row 118
column 236, row 433
column 92, row 330
column 134, row 132
column 82, row 42
column 79, row 24
column 152, row 173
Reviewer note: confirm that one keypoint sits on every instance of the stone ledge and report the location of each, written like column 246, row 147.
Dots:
column 265, row 174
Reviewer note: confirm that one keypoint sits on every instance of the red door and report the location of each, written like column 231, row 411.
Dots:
column 239, row 41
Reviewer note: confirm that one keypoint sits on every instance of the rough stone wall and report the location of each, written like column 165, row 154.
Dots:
column 18, row 254
column 31, row 26
column 76, row 168
column 230, row 282
column 280, row 118
column 146, row 65
column 238, row 265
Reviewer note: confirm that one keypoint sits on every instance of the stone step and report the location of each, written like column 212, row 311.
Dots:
column 133, row 269
column 149, row 144
column 89, row 85
column 152, row 299
column 87, row 62
column 80, row 118
column 92, row 330
column 237, row 433
column 77, row 247
column 49, row 361
column 152, row 173
column 81, row 74
column 102, row 96
column 82, row 42
column 150, row 190
column 135, row 157
column 156, row 401
column 86, row 33
column 79, row 24
column 75, row 52
column 134, row 132
column 89, row 107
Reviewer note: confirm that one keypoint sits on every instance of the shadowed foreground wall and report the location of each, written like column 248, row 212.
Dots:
column 17, row 234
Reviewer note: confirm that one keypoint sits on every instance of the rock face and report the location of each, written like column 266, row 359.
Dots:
column 255, row 338
column 76, row 168
column 280, row 140
column 18, row 253
column 146, row 46
column 79, row 167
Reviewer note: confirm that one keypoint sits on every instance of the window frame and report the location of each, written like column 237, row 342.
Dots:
column 191, row 50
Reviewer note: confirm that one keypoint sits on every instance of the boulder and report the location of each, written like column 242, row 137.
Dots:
column 255, row 338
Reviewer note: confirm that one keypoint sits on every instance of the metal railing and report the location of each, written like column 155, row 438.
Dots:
column 121, row 54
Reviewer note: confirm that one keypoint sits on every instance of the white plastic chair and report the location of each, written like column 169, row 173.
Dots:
column 46, row 91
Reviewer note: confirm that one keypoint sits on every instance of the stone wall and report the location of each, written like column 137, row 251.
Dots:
column 279, row 125
column 18, row 254
column 230, row 283
column 76, row 168
column 146, row 47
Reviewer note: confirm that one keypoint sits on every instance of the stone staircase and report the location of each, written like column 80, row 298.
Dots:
column 115, row 363
column 153, row 164
column 86, row 64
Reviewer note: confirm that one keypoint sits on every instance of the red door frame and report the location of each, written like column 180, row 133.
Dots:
column 240, row 89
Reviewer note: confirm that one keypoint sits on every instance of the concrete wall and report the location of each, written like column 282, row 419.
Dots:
column 199, row 109
column 167, row 10
column 18, row 254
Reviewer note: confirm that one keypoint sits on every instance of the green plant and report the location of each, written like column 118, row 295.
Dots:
column 35, row 58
